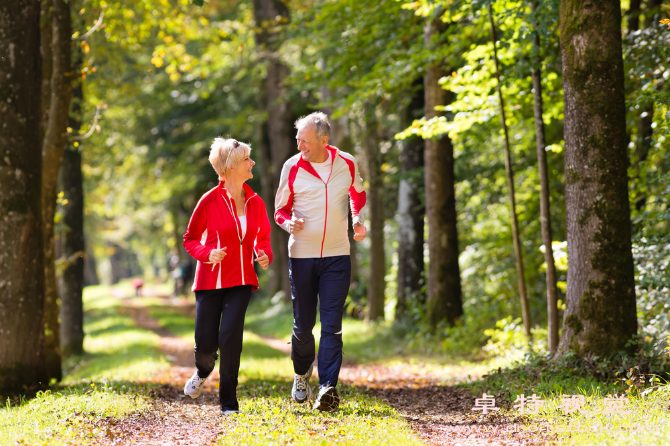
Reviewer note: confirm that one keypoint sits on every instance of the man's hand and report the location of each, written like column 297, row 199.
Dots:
column 263, row 259
column 359, row 231
column 296, row 225
column 216, row 255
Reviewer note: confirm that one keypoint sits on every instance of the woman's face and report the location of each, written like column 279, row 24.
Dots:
column 243, row 169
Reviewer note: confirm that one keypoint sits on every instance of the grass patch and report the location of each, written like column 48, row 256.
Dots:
column 115, row 348
column 268, row 417
column 68, row 415
column 582, row 409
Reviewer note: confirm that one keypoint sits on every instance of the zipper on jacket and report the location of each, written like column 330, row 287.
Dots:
column 325, row 222
column 239, row 228
column 325, row 183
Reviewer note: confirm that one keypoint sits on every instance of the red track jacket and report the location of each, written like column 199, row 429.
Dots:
column 215, row 225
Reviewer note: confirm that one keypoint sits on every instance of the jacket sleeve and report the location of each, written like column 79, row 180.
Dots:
column 284, row 197
column 357, row 196
column 194, row 232
column 263, row 236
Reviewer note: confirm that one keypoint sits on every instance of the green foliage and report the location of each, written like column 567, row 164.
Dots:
column 171, row 75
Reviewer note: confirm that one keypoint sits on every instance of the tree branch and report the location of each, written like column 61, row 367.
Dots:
column 96, row 26
column 90, row 132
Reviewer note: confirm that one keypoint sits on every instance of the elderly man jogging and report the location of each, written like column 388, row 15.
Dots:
column 311, row 204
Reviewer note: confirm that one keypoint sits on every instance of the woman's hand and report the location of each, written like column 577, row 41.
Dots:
column 216, row 255
column 263, row 259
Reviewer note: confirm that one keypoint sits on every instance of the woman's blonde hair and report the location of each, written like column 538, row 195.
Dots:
column 226, row 154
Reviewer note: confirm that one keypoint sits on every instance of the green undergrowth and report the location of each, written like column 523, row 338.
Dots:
column 105, row 382
column 364, row 343
column 582, row 400
column 67, row 414
column 115, row 348
column 274, row 419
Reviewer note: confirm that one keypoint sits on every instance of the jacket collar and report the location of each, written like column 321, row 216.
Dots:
column 308, row 166
column 249, row 192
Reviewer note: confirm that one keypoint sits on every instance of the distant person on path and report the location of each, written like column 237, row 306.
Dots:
column 229, row 227
column 315, row 189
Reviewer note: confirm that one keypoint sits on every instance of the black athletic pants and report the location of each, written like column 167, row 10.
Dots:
column 219, row 324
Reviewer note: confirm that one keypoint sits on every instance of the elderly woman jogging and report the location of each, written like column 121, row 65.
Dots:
column 229, row 227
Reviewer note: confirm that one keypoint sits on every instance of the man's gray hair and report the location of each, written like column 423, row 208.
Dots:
column 318, row 120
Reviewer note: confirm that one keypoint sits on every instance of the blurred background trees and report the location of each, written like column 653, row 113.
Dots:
column 411, row 91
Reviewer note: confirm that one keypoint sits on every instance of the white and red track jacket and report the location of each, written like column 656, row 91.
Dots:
column 215, row 225
column 323, row 205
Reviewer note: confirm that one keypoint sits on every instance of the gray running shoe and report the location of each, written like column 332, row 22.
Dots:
column 328, row 400
column 193, row 387
column 301, row 391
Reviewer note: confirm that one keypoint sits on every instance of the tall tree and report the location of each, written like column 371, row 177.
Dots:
column 600, row 317
column 516, row 239
column 70, row 181
column 444, row 277
column 52, row 154
column 21, row 239
column 545, row 213
column 410, row 209
column 375, row 215
column 645, row 131
column 271, row 16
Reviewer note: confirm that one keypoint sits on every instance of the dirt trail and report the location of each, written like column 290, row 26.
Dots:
column 439, row 414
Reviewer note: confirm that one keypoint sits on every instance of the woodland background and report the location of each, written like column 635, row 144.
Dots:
column 133, row 92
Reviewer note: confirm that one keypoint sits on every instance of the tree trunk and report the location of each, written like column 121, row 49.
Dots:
column 52, row 154
column 545, row 214
column 645, row 131
column 601, row 314
column 90, row 267
column 71, row 283
column 268, row 14
column 22, row 360
column 525, row 310
column 634, row 15
column 444, row 277
column 375, row 215
column 46, row 41
column 410, row 211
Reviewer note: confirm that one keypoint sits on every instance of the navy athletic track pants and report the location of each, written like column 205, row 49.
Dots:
column 328, row 278
column 219, row 325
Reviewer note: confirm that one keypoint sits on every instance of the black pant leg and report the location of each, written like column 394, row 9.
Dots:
column 304, row 289
column 234, row 307
column 207, row 320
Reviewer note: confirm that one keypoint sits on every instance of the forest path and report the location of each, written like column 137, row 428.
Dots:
column 439, row 414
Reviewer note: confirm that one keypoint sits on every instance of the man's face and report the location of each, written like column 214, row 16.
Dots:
column 312, row 149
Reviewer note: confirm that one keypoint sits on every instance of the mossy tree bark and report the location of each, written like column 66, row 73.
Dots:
column 411, row 210
column 374, row 214
column 600, row 317
column 444, row 277
column 52, row 154
column 271, row 16
column 545, row 212
column 22, row 361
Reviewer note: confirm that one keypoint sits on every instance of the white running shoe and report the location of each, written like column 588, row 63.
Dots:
column 193, row 387
column 226, row 413
column 301, row 391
